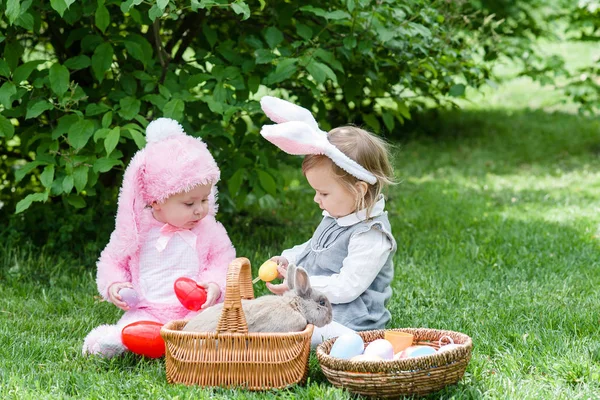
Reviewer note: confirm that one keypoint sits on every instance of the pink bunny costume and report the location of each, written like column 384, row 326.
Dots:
column 152, row 255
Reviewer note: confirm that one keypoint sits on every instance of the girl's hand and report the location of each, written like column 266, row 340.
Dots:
column 278, row 289
column 282, row 264
column 115, row 297
column 213, row 292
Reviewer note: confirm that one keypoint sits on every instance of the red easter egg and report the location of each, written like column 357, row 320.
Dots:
column 143, row 338
column 190, row 295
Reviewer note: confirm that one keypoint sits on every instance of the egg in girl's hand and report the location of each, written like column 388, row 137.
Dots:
column 380, row 348
column 129, row 296
column 267, row 272
column 366, row 357
column 347, row 346
column 415, row 351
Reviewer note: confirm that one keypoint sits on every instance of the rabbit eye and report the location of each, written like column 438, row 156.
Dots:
column 322, row 303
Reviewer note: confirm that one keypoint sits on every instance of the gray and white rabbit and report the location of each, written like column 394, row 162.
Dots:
column 291, row 312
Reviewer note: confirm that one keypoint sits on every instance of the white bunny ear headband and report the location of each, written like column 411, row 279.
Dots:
column 298, row 133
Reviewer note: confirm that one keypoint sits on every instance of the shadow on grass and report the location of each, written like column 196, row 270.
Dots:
column 498, row 141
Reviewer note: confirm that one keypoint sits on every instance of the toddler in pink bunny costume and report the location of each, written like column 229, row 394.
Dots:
column 165, row 229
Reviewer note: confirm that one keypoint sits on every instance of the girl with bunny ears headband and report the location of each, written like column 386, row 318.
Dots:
column 349, row 257
column 165, row 229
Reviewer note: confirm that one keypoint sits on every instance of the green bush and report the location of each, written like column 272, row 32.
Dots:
column 80, row 80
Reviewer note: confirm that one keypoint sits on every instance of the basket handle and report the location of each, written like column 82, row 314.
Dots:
column 239, row 286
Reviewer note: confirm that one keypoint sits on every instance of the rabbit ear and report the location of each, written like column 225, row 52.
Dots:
column 302, row 283
column 279, row 111
column 291, row 273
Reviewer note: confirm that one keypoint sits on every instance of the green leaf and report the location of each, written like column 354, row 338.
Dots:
column 136, row 51
column 329, row 58
column 25, row 169
column 263, row 56
column 335, row 15
column 155, row 12
column 26, row 21
column 4, row 69
column 239, row 7
column 78, row 62
column 267, row 182
column 162, row 4
column 35, row 108
column 102, row 60
column 457, row 90
column 349, row 42
column 285, row 69
column 112, row 139
column 13, row 10
column 7, row 90
column 12, row 54
column 24, row 70
column 61, row 5
column 210, row 35
column 76, row 201
column 130, row 107
column 107, row 119
column 64, row 124
column 388, row 120
column 304, row 31
column 174, row 109
column 26, row 202
column 372, row 121
column 7, row 129
column 47, row 176
column 235, row 182
column 102, row 18
column 80, row 132
column 59, row 79
column 67, row 184
column 403, row 109
column 80, row 177
column 105, row 164
column 321, row 72
column 96, row 109
column 101, row 134
column 273, row 36
column 138, row 138
column 253, row 83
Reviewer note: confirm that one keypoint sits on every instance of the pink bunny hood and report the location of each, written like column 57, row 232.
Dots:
column 172, row 162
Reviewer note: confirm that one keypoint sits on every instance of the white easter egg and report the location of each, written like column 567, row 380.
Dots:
column 366, row 357
column 448, row 347
column 347, row 346
column 381, row 348
column 129, row 296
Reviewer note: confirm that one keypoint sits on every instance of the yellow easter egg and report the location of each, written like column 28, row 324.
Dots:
column 268, row 271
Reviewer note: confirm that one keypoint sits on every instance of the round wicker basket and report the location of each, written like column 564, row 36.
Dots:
column 411, row 376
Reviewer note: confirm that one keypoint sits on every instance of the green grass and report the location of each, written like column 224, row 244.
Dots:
column 496, row 219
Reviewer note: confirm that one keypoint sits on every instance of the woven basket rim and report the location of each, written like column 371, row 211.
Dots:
column 407, row 365
column 169, row 330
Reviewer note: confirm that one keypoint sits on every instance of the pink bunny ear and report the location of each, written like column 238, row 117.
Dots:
column 296, row 137
column 279, row 111
column 130, row 205
column 297, row 133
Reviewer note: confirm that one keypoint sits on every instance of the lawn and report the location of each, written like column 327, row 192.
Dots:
column 496, row 217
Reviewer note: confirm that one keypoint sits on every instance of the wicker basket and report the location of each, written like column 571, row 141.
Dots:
column 232, row 357
column 411, row 376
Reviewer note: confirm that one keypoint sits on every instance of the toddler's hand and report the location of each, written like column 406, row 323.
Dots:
column 213, row 292
column 282, row 264
column 278, row 289
column 115, row 297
